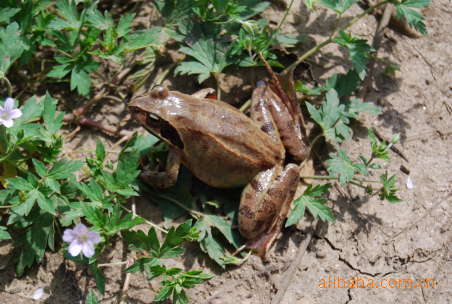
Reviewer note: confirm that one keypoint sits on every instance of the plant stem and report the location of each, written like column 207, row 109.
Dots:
column 323, row 177
column 245, row 106
column 112, row 264
column 148, row 222
column 10, row 87
column 329, row 40
column 194, row 213
column 217, row 80
column 359, row 185
column 320, row 177
column 285, row 16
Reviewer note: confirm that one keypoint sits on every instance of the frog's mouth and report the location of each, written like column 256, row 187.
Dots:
column 159, row 127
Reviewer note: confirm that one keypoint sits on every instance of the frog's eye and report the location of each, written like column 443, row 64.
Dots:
column 159, row 92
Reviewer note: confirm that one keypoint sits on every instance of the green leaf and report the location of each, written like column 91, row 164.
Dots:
column 92, row 190
column 154, row 36
column 93, row 216
column 34, row 242
column 413, row 18
column 59, row 71
column 91, row 298
column 332, row 118
column 40, row 167
column 127, row 170
column 306, row 90
column 356, row 106
column 142, row 265
column 7, row 13
column 64, row 169
column 344, row 84
column 53, row 120
column 125, row 223
column 4, row 234
column 140, row 241
column 339, row 6
column 124, row 24
column 312, row 200
column 389, row 189
column 164, row 293
column 213, row 248
column 11, row 47
column 20, row 183
column 180, row 298
column 100, row 151
column 340, row 165
column 359, row 51
column 210, row 55
column 99, row 21
column 45, row 203
column 99, row 277
column 310, row 4
column 68, row 11
column 53, row 185
column 177, row 236
column 289, row 40
column 81, row 81
column 379, row 149
column 30, row 111
column 224, row 227
column 25, row 207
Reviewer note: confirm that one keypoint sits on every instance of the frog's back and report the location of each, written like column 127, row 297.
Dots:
column 222, row 146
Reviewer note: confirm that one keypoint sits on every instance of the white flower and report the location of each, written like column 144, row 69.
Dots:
column 8, row 113
column 81, row 240
column 38, row 294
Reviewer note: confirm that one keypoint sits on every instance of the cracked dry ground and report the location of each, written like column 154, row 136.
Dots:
column 370, row 239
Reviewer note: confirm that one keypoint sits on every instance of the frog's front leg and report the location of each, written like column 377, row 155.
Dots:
column 166, row 178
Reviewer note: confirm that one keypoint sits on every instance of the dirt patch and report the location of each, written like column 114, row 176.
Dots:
column 371, row 239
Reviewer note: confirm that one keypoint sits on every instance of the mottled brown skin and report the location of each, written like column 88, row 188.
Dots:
column 225, row 148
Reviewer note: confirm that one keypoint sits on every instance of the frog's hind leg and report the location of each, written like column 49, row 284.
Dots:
column 261, row 114
column 275, row 119
column 263, row 223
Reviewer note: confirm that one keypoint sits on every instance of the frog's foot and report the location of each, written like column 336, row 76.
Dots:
column 262, row 222
column 203, row 93
column 262, row 244
column 166, row 178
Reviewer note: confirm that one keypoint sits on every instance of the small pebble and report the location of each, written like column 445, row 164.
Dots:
column 409, row 183
column 38, row 294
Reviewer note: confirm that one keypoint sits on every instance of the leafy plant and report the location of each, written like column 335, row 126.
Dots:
column 174, row 280
column 43, row 191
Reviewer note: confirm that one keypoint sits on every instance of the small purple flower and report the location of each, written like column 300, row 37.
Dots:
column 81, row 240
column 8, row 113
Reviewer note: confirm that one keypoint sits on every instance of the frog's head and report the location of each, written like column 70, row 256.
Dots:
column 153, row 112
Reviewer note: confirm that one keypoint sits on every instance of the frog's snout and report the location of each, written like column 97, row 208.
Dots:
column 159, row 92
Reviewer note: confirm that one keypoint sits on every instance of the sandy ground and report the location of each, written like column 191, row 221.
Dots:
column 373, row 242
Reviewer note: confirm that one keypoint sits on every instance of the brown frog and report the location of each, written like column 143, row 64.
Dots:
column 225, row 148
